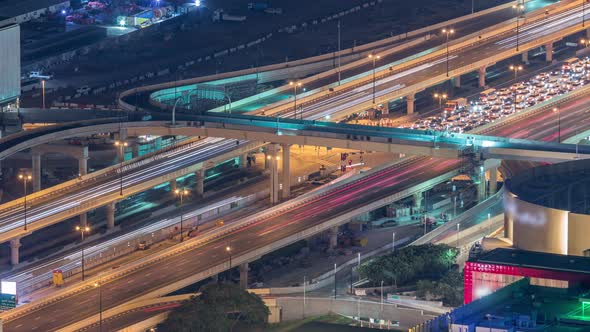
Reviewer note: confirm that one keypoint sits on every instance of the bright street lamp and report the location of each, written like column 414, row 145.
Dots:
column 440, row 97
column 448, row 32
column 519, row 10
column 515, row 69
column 228, row 249
column 585, row 42
column 374, row 58
column 82, row 230
column 25, row 178
column 295, row 85
column 181, row 193
column 121, row 145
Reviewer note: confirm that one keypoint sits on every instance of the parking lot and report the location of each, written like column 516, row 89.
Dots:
column 494, row 104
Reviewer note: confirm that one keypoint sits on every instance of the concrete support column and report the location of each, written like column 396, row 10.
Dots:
column 493, row 180
column 84, row 219
column 587, row 32
column 135, row 151
column 418, row 200
column 525, row 57
column 36, row 172
column 385, row 109
column 266, row 158
column 83, row 166
column 110, row 216
column 14, row 251
column 272, row 159
column 333, row 237
column 410, row 99
column 286, row 177
column 121, row 136
column 549, row 52
column 244, row 276
column 457, row 81
column 200, row 182
column 481, row 74
column 244, row 160
column 173, row 185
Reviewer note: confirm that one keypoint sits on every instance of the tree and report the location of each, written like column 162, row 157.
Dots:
column 220, row 307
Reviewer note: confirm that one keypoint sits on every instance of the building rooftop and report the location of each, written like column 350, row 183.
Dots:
column 563, row 186
column 533, row 259
column 12, row 8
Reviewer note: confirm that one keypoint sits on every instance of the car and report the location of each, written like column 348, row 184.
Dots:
column 38, row 74
column 83, row 89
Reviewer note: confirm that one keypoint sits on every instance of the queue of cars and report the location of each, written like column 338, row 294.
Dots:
column 493, row 104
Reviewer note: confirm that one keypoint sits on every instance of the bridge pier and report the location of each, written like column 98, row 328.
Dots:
column 273, row 159
column 333, row 233
column 493, row 180
column 121, row 136
column 385, row 109
column 418, row 200
column 525, row 57
column 244, row 160
column 481, row 73
column 36, row 171
column 549, row 52
column 14, row 251
column 410, row 99
column 457, row 81
column 266, row 158
column 135, row 151
column 83, row 164
column 83, row 219
column 200, row 182
column 110, row 216
column 244, row 275
column 286, row 176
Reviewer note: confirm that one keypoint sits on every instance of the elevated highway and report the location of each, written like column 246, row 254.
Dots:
column 280, row 226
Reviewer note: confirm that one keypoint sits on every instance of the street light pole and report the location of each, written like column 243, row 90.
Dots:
column 228, row 249
column 556, row 109
column 181, row 193
column 122, row 145
column 338, row 52
column 43, row 92
column 440, row 97
column 518, row 8
column 458, row 227
column 334, row 280
column 448, row 32
column 25, row 178
column 374, row 58
column 381, row 295
column 98, row 285
column 295, row 85
column 82, row 229
column 393, row 242
column 515, row 69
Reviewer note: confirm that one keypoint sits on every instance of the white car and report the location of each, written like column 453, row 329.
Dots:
column 83, row 90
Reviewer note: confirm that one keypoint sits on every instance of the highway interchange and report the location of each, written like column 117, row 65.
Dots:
column 340, row 199
column 320, row 109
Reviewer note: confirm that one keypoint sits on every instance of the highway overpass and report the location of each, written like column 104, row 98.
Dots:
column 316, row 213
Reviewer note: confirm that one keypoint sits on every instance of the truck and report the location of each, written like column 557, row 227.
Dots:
column 455, row 104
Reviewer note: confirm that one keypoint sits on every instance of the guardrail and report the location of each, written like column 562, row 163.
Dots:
column 126, row 244
column 423, row 58
column 94, row 176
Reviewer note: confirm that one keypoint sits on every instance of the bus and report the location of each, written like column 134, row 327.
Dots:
column 567, row 64
column 487, row 94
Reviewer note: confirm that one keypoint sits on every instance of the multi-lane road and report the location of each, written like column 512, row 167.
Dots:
column 339, row 200
column 13, row 217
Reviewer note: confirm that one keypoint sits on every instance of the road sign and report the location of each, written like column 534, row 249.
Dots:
column 7, row 301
